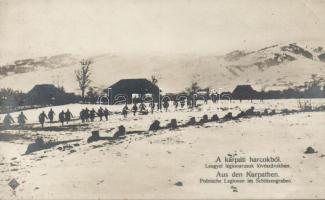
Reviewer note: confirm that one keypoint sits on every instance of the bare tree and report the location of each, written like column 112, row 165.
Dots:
column 83, row 76
column 154, row 80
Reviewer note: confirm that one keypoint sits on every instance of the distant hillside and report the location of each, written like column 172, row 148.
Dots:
column 29, row 65
column 273, row 67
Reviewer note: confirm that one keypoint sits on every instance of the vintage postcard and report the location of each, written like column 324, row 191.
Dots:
column 162, row 99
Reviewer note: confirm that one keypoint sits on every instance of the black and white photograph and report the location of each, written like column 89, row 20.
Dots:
column 162, row 99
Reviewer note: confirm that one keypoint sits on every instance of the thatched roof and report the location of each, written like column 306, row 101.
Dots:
column 139, row 86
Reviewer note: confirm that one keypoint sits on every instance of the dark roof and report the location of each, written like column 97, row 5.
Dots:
column 48, row 94
column 246, row 88
column 134, row 85
column 45, row 88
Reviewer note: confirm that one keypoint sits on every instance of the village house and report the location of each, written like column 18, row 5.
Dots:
column 48, row 94
column 125, row 88
column 244, row 92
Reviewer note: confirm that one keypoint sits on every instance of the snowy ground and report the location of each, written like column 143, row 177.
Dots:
column 148, row 166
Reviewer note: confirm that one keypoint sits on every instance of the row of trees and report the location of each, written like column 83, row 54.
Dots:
column 315, row 88
column 10, row 98
column 311, row 89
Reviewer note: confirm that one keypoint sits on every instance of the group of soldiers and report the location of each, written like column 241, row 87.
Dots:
column 63, row 117
column 189, row 103
column 141, row 109
column 8, row 120
column 165, row 104
column 86, row 114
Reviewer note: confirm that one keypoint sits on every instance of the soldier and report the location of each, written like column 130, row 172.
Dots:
column 106, row 112
column 182, row 104
column 213, row 98
column 100, row 113
column 189, row 104
column 166, row 105
column 142, row 107
column 82, row 115
column 86, row 115
column 228, row 116
column 7, row 121
column 193, row 103
column 152, row 106
column 22, row 120
column 51, row 115
column 62, row 117
column 67, row 116
column 92, row 115
column 125, row 111
column 250, row 111
column 134, row 109
column 176, row 104
column 41, row 118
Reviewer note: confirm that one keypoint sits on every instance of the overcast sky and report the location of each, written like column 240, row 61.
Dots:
column 48, row 27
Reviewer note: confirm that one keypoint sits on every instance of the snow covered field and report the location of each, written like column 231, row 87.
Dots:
column 149, row 165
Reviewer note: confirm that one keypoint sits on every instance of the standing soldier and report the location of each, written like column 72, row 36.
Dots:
column 41, row 118
column 92, row 115
column 193, row 103
column 68, row 115
column 176, row 104
column 86, row 115
column 166, row 105
column 22, row 120
column 82, row 115
column 134, row 109
column 61, row 117
column 100, row 113
column 182, row 104
column 51, row 115
column 152, row 106
column 142, row 107
column 189, row 103
column 106, row 112
column 7, row 121
column 125, row 111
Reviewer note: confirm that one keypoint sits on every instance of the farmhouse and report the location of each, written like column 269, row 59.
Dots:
column 48, row 94
column 244, row 92
column 125, row 88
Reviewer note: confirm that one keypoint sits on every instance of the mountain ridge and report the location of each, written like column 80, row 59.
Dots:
column 275, row 66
